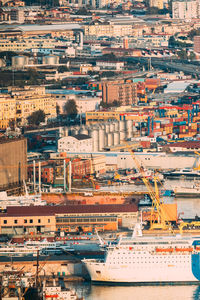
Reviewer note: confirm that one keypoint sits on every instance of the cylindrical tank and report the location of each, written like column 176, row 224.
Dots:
column 19, row 61
column 112, row 127
column 110, row 139
column 101, row 138
column 83, row 130
column 116, row 138
column 106, row 139
column 122, row 135
column 50, row 60
column 107, row 127
column 117, row 126
column 121, row 125
column 95, row 139
column 129, row 125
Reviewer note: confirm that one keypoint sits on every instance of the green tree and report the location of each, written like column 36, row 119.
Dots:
column 182, row 54
column 70, row 109
column 62, row 69
column 36, row 117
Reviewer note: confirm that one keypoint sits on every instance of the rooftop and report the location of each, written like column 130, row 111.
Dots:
column 17, row 211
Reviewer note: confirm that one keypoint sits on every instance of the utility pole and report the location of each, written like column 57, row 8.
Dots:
column 64, row 176
column 39, row 177
column 34, row 180
column 70, row 176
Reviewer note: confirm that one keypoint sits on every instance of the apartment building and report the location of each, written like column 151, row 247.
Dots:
column 185, row 9
column 18, row 104
column 121, row 91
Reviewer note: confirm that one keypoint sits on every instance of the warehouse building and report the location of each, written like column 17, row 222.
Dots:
column 69, row 218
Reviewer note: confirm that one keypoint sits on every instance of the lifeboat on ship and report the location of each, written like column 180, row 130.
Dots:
column 190, row 249
column 164, row 249
column 197, row 248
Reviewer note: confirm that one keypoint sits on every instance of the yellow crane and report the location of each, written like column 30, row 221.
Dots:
column 161, row 221
column 159, row 216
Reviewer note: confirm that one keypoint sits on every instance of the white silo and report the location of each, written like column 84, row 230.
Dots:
column 116, row 125
column 101, row 138
column 83, row 130
column 110, row 139
column 107, row 127
column 112, row 127
column 122, row 135
column 122, row 125
column 105, row 139
column 95, row 139
column 116, row 138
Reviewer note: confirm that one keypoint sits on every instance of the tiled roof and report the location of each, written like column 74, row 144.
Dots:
column 186, row 144
column 68, row 209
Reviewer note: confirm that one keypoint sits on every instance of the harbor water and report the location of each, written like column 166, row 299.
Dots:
column 167, row 292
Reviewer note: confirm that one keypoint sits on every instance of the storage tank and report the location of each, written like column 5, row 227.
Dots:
column 50, row 60
column 116, row 138
column 19, row 61
column 112, row 127
column 122, row 135
column 110, row 139
column 107, row 127
column 121, row 125
column 106, row 139
column 83, row 130
column 129, row 125
column 95, row 139
column 116, row 126
column 101, row 138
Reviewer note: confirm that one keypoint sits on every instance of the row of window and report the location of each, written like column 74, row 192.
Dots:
column 25, row 221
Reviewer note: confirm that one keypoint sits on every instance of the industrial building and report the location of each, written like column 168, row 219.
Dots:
column 48, row 219
column 13, row 162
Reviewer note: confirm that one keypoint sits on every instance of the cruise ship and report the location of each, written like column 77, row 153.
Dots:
column 148, row 260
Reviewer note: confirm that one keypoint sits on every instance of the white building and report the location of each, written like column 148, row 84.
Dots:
column 84, row 103
column 77, row 143
column 185, row 9
column 111, row 65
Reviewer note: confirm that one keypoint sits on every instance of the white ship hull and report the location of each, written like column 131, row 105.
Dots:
column 141, row 274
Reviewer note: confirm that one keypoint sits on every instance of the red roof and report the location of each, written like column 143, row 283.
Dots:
column 187, row 144
column 67, row 209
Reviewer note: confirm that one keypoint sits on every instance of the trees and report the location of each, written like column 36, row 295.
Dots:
column 70, row 109
column 36, row 117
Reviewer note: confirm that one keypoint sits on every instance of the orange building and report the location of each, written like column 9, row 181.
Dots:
column 21, row 220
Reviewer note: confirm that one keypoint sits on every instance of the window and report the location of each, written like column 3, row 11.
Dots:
column 48, row 220
column 15, row 221
column 31, row 221
column 25, row 221
column 39, row 221
column 4, row 221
